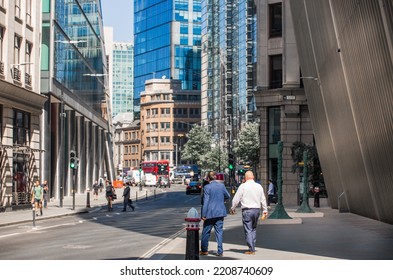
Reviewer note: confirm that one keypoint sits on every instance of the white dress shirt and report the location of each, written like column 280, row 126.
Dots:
column 251, row 195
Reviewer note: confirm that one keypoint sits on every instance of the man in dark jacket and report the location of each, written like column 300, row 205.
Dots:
column 126, row 198
column 213, row 213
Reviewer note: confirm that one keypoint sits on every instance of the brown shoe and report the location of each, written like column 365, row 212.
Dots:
column 202, row 253
column 249, row 253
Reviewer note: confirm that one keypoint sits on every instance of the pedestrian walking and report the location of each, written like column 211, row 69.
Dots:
column 37, row 193
column 252, row 197
column 213, row 213
column 126, row 198
column 46, row 193
column 110, row 195
column 95, row 188
column 270, row 192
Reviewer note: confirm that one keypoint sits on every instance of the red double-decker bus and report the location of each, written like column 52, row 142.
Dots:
column 157, row 168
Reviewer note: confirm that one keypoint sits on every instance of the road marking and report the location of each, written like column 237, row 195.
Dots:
column 164, row 242
column 8, row 235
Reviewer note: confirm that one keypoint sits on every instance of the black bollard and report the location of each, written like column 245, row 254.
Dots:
column 136, row 196
column 88, row 199
column 192, row 241
column 154, row 193
column 146, row 195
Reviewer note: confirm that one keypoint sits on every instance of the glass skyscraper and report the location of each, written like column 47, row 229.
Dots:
column 122, row 78
column 167, row 43
column 73, row 77
column 228, row 67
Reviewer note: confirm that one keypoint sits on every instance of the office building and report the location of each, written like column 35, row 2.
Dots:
column 168, row 112
column 122, row 78
column 21, row 102
column 228, row 68
column 74, row 78
column 282, row 105
column 167, row 43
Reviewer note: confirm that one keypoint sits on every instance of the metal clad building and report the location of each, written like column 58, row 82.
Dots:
column 345, row 50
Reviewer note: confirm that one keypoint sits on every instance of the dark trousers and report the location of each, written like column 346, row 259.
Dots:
column 129, row 203
column 250, row 222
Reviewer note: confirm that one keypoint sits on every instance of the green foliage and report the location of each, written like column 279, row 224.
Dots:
column 313, row 164
column 198, row 145
column 216, row 159
column 247, row 146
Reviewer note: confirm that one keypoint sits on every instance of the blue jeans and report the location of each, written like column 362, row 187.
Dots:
column 208, row 224
column 250, row 222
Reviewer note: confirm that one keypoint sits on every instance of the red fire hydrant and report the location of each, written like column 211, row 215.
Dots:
column 192, row 227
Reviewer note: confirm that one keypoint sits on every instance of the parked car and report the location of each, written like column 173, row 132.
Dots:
column 194, row 187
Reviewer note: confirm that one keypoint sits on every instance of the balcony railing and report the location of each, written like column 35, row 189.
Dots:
column 16, row 74
column 1, row 68
column 27, row 79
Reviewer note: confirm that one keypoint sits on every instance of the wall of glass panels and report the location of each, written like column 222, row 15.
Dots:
column 79, row 23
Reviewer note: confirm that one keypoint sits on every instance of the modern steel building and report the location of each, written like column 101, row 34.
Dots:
column 281, row 101
column 167, row 43
column 346, row 53
column 122, row 78
column 228, row 67
column 73, row 77
column 20, row 101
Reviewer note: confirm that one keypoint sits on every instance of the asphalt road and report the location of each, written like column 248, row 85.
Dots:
column 102, row 234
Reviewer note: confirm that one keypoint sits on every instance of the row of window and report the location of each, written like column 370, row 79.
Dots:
column 133, row 135
column 131, row 149
column 179, row 112
column 131, row 163
column 18, row 41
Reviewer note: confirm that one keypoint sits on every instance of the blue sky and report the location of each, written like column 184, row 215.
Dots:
column 119, row 15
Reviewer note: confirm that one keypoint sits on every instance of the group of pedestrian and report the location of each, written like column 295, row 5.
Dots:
column 110, row 194
column 39, row 195
column 250, row 195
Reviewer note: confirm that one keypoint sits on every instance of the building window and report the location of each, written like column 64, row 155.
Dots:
column 275, row 20
column 165, row 140
column 17, row 46
column 274, row 125
column 28, row 12
column 17, row 8
column 21, row 128
column 165, row 126
column 276, row 71
column 165, row 112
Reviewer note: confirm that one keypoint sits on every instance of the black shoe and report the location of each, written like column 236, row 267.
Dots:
column 123, row 210
column 133, row 208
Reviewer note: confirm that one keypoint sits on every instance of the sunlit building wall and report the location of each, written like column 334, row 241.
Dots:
column 346, row 53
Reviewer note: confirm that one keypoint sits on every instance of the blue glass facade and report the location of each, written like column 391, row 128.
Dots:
column 167, row 43
column 122, row 78
column 78, row 50
column 229, row 65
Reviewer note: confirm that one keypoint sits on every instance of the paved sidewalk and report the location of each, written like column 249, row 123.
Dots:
column 54, row 210
column 323, row 235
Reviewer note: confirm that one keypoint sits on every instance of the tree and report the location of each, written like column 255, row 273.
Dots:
column 198, row 145
column 247, row 146
column 215, row 159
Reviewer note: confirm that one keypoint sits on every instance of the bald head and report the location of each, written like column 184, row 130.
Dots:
column 249, row 175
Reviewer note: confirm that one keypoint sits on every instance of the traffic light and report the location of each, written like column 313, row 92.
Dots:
column 231, row 161
column 240, row 172
column 73, row 160
column 140, row 168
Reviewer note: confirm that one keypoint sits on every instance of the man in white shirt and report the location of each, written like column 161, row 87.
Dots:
column 251, row 196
